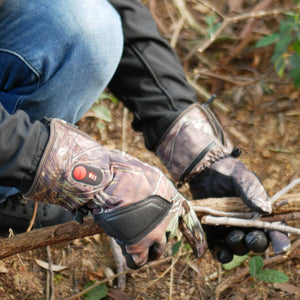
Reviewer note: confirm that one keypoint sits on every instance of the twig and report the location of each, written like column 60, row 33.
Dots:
column 50, row 275
column 180, row 4
column 158, row 21
column 237, row 81
column 202, row 46
column 176, row 32
column 201, row 91
column 285, row 190
column 213, row 8
column 248, row 223
column 246, row 36
column 161, row 275
column 215, row 212
column 129, row 271
column 33, row 217
column 172, row 278
column 283, row 217
column 119, row 261
column 116, row 250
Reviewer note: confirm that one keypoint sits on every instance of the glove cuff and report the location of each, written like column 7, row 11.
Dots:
column 57, row 181
column 193, row 142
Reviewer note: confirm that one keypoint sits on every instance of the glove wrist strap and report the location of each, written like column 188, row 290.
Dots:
column 193, row 142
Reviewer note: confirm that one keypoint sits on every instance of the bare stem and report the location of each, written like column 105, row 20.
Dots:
column 248, row 223
column 285, row 190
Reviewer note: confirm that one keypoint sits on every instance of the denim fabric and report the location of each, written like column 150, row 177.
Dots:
column 56, row 57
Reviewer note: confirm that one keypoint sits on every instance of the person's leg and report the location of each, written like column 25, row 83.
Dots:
column 56, row 57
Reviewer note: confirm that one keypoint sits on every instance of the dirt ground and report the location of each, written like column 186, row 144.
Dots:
column 260, row 113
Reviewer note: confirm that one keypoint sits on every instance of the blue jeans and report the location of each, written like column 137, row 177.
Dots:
column 56, row 57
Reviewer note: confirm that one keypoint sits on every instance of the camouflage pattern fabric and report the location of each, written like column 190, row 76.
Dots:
column 123, row 182
column 196, row 131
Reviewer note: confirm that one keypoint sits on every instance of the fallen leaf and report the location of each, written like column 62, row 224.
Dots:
column 286, row 287
column 117, row 294
column 3, row 269
column 93, row 276
column 45, row 265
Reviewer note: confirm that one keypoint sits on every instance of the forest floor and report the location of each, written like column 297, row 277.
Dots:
column 260, row 113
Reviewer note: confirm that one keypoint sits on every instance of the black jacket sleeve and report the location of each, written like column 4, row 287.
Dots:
column 21, row 146
column 150, row 79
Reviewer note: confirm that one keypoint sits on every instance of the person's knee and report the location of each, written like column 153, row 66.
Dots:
column 96, row 32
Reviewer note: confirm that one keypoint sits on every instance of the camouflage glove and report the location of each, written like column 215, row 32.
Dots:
column 132, row 201
column 196, row 150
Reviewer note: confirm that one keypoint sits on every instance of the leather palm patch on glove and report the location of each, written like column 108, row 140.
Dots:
column 132, row 201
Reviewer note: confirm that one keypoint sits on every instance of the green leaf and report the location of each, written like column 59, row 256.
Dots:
column 102, row 112
column 268, row 40
column 97, row 293
column 255, row 265
column 286, row 26
column 283, row 44
column 187, row 247
column 291, row 14
column 100, row 126
column 280, row 66
column 294, row 74
column 295, row 61
column 296, row 47
column 108, row 96
column 237, row 260
column 272, row 276
column 210, row 19
column 175, row 248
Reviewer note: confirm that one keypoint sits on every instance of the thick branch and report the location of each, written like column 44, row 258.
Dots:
column 70, row 231
column 285, row 204
column 47, row 236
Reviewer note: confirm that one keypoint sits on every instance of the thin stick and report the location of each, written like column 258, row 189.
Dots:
column 213, row 8
column 248, row 223
column 285, row 190
column 33, row 217
column 129, row 271
column 176, row 32
column 185, row 13
column 215, row 212
column 51, row 275
column 202, row 46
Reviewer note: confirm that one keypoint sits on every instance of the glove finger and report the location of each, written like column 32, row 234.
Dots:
column 245, row 184
column 222, row 252
column 136, row 255
column 257, row 241
column 129, row 260
column 250, row 189
column 280, row 241
column 236, row 241
column 210, row 183
column 156, row 250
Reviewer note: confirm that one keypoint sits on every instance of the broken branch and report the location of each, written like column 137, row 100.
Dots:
column 70, row 231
